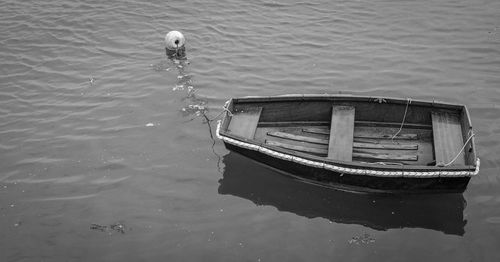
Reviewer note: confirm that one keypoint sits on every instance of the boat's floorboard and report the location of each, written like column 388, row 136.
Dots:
column 371, row 143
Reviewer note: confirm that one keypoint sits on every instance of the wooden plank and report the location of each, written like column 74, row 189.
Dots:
column 298, row 137
column 341, row 133
column 382, row 136
column 448, row 138
column 360, row 123
column 325, row 131
column 317, row 130
column 393, row 124
column 385, row 156
column 294, row 123
column 386, row 146
column 244, row 123
column 320, row 151
column 362, row 154
column 365, row 144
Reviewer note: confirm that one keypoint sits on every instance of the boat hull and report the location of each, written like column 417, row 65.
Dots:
column 358, row 183
column 356, row 143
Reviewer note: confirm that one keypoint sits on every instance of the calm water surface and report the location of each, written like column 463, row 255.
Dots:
column 105, row 154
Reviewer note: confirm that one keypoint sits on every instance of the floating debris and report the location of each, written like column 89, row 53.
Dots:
column 178, row 87
column 195, row 109
column 162, row 66
column 364, row 239
column 117, row 227
column 98, row 227
column 150, row 124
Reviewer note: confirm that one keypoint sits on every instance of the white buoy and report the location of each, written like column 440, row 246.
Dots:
column 174, row 45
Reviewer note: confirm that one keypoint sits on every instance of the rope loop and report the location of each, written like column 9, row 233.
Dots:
column 224, row 109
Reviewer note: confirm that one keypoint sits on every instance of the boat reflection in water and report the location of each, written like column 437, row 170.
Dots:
column 247, row 179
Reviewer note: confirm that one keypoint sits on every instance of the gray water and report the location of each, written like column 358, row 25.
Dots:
column 106, row 154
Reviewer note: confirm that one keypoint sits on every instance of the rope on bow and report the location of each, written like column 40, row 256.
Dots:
column 224, row 109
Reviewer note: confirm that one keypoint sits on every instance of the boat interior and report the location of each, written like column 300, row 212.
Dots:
column 390, row 132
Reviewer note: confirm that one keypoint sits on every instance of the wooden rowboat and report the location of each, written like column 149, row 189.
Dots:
column 356, row 143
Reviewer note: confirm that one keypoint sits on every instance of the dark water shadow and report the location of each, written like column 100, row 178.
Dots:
column 249, row 180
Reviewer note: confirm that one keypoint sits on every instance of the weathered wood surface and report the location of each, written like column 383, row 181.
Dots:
column 381, row 156
column 448, row 138
column 323, row 151
column 359, row 123
column 341, row 133
column 315, row 150
column 293, row 123
column 386, row 146
column 322, row 141
column 245, row 123
column 301, row 108
column 326, row 131
column 393, row 124
column 299, row 138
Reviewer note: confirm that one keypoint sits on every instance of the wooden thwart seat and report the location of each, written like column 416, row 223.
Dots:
column 341, row 133
column 244, row 123
column 448, row 138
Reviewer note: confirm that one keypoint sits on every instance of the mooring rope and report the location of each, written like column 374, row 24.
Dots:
column 408, row 102
column 224, row 109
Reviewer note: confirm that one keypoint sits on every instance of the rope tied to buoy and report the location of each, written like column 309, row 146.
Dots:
column 225, row 109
